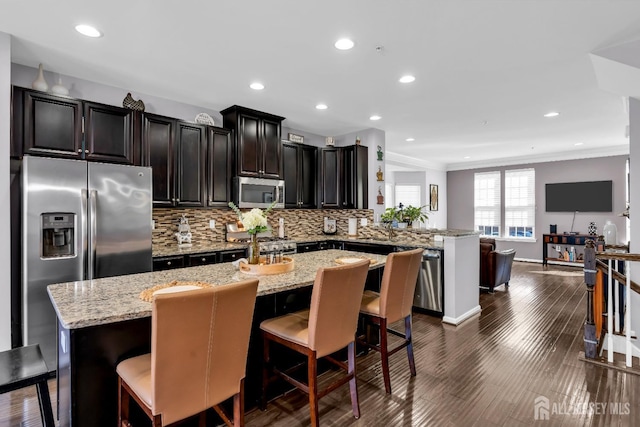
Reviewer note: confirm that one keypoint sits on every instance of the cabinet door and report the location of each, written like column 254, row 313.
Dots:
column 190, row 166
column 168, row 263
column 347, row 178
column 219, row 170
column 52, row 125
column 290, row 171
column 203, row 259
column 308, row 177
column 159, row 139
column 108, row 133
column 271, row 149
column 329, row 180
column 248, row 152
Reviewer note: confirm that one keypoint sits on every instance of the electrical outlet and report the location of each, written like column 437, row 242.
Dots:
column 153, row 224
column 364, row 222
column 212, row 224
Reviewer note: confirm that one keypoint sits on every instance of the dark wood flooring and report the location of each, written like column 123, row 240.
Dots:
column 486, row 372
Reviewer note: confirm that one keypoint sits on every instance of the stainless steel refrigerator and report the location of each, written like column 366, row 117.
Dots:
column 80, row 220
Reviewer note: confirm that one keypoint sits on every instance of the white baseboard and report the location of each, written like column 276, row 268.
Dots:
column 457, row 320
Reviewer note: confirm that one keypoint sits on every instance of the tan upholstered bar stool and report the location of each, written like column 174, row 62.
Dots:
column 199, row 343
column 328, row 326
column 393, row 303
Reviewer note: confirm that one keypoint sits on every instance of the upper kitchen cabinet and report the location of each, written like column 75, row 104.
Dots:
column 300, row 175
column 343, row 177
column 108, row 133
column 256, row 137
column 219, row 155
column 190, row 162
column 59, row 126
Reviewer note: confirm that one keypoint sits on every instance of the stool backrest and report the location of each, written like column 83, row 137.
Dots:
column 199, row 344
column 335, row 304
column 399, row 284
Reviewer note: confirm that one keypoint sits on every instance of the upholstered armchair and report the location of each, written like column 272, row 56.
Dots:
column 495, row 266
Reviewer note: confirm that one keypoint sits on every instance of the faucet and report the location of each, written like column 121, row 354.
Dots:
column 390, row 230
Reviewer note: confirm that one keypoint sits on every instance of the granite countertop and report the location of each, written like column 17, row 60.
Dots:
column 87, row 303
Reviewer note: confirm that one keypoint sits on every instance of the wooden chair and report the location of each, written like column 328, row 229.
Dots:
column 23, row 367
column 199, row 344
column 328, row 326
column 393, row 303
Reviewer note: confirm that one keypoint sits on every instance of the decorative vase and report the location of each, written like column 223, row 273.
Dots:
column 610, row 232
column 254, row 250
column 592, row 229
column 58, row 89
column 40, row 83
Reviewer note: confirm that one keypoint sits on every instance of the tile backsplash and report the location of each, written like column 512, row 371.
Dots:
column 298, row 223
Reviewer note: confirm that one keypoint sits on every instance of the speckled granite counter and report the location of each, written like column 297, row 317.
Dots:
column 95, row 302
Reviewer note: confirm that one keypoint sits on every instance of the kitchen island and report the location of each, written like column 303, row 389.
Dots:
column 103, row 321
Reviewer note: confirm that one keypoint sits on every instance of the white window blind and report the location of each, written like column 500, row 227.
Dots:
column 388, row 196
column 519, row 202
column 408, row 195
column 487, row 203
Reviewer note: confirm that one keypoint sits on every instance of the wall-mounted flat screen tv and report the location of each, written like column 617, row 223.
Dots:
column 592, row 196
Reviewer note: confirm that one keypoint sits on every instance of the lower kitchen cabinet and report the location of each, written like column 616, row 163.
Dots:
column 168, row 263
column 194, row 260
column 202, row 259
column 228, row 256
column 308, row 247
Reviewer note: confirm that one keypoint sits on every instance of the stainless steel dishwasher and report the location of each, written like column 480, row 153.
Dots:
column 429, row 295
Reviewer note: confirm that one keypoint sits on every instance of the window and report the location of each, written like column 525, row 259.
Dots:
column 487, row 203
column 519, row 202
column 408, row 194
column 388, row 196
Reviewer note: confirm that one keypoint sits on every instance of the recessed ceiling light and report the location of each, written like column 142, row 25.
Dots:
column 578, row 143
column 256, row 86
column 467, row 157
column 321, row 106
column 407, row 79
column 88, row 30
column 375, row 117
column 410, row 139
column 344, row 44
column 552, row 114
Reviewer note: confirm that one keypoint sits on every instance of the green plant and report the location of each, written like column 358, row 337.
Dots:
column 413, row 213
column 390, row 214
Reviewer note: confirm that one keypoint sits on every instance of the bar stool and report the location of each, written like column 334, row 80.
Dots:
column 199, row 344
column 328, row 326
column 393, row 303
column 23, row 367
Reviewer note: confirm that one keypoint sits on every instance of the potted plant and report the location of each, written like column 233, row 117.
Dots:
column 390, row 216
column 413, row 213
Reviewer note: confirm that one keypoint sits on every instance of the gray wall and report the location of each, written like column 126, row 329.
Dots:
column 460, row 198
column 634, row 200
column 5, row 248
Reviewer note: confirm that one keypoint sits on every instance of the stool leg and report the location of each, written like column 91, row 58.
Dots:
column 384, row 355
column 409, row 338
column 265, row 372
column 353, row 385
column 313, row 388
column 45, row 404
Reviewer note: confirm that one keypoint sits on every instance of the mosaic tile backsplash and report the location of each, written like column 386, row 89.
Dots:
column 298, row 224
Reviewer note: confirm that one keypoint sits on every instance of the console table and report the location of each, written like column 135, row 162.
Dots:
column 562, row 239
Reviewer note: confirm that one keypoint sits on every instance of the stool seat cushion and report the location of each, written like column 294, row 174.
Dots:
column 136, row 372
column 292, row 327
column 370, row 303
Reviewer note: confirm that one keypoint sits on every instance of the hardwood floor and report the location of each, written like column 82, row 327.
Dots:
column 486, row 372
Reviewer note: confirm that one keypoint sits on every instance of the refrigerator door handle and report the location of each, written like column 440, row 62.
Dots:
column 84, row 196
column 93, row 228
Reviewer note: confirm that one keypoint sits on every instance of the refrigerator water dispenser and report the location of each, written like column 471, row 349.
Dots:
column 57, row 237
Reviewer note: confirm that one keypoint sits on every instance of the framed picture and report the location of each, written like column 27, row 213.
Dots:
column 433, row 197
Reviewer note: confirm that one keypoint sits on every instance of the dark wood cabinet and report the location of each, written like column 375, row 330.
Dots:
column 158, row 138
column 191, row 144
column 330, row 183
column 219, row 156
column 300, row 175
column 343, row 177
column 229, row 256
column 59, row 126
column 52, row 125
column 108, row 133
column 354, row 175
column 256, row 138
column 168, row 262
column 202, row 259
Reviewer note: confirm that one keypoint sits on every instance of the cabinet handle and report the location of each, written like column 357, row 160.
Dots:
column 204, row 259
column 79, row 150
column 86, row 151
column 233, row 255
column 178, row 200
column 210, row 201
column 168, row 262
column 173, row 200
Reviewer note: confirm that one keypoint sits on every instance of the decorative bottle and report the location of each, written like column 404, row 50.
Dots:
column 40, row 83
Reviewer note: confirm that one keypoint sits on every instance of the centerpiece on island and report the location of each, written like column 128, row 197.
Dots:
column 254, row 222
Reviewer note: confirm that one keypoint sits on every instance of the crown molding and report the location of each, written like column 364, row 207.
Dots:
column 396, row 159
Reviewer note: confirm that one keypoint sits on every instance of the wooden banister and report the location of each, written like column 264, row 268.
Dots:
column 602, row 266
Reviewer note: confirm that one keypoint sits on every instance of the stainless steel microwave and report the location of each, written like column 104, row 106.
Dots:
column 258, row 192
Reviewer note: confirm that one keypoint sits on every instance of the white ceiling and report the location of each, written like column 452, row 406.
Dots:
column 486, row 71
